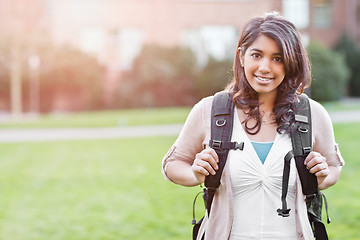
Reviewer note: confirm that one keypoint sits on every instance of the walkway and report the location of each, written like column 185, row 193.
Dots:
column 59, row 134
column 42, row 135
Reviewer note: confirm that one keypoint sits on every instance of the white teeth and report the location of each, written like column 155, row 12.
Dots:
column 264, row 79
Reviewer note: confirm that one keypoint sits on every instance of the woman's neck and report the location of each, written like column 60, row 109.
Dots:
column 267, row 103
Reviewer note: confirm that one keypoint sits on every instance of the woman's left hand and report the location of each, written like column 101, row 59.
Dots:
column 316, row 163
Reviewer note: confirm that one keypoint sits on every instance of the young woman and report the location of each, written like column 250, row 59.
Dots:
column 270, row 68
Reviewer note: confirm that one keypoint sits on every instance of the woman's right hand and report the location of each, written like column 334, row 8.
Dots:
column 205, row 163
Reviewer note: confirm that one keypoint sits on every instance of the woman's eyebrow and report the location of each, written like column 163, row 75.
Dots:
column 261, row 51
column 256, row 50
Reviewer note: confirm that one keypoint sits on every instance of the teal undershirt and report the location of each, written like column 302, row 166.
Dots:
column 262, row 149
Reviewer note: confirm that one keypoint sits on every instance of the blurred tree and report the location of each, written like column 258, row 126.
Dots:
column 214, row 76
column 347, row 47
column 12, row 58
column 70, row 80
column 23, row 22
column 161, row 76
column 4, row 81
column 329, row 73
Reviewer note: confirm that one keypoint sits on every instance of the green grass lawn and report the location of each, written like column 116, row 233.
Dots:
column 113, row 189
column 107, row 189
column 131, row 117
column 344, row 204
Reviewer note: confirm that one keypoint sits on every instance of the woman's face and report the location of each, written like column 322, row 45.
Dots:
column 263, row 65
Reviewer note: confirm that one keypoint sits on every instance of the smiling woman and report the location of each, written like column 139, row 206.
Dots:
column 271, row 70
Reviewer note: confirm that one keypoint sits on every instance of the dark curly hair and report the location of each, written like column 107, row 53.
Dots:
column 296, row 65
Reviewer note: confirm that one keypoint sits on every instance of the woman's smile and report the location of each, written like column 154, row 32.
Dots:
column 263, row 80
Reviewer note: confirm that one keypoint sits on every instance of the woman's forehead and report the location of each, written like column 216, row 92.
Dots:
column 264, row 44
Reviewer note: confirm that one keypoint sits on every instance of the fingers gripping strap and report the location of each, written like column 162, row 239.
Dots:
column 222, row 115
column 221, row 129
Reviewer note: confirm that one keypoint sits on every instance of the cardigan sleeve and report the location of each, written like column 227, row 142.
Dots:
column 323, row 135
column 193, row 137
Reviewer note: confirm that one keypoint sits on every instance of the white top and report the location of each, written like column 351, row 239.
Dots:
column 194, row 137
column 257, row 190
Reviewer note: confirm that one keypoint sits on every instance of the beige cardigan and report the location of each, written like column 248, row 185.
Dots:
column 194, row 137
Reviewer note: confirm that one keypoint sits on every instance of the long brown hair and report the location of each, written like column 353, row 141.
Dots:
column 296, row 64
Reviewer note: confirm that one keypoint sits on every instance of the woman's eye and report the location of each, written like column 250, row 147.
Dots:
column 255, row 55
column 277, row 59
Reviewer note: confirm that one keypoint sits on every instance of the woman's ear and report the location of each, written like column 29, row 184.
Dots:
column 241, row 57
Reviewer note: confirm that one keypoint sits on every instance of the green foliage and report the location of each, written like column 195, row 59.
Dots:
column 161, row 76
column 160, row 64
column 72, row 75
column 329, row 73
column 347, row 47
column 213, row 77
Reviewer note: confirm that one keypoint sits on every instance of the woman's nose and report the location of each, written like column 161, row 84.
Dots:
column 264, row 66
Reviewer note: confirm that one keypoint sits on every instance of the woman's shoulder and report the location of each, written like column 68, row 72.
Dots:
column 203, row 107
column 323, row 133
column 206, row 101
column 319, row 112
column 321, row 121
column 205, row 104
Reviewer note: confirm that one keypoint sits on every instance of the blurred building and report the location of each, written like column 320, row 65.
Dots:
column 116, row 30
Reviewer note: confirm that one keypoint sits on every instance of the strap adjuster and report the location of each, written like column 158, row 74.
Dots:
column 220, row 145
column 284, row 212
column 310, row 197
column 239, row 146
column 211, row 189
column 306, row 150
column 216, row 144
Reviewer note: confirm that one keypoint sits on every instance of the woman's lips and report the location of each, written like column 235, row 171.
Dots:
column 263, row 80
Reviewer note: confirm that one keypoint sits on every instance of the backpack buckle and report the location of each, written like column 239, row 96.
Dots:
column 216, row 144
column 306, row 150
column 310, row 197
column 284, row 212
column 239, row 146
column 211, row 189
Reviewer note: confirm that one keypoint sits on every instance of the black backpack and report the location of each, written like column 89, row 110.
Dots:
column 222, row 114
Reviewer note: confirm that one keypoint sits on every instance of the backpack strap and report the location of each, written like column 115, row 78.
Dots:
column 222, row 115
column 301, row 138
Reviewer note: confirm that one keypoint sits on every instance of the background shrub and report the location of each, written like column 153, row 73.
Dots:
column 161, row 76
column 213, row 77
column 347, row 47
column 329, row 73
